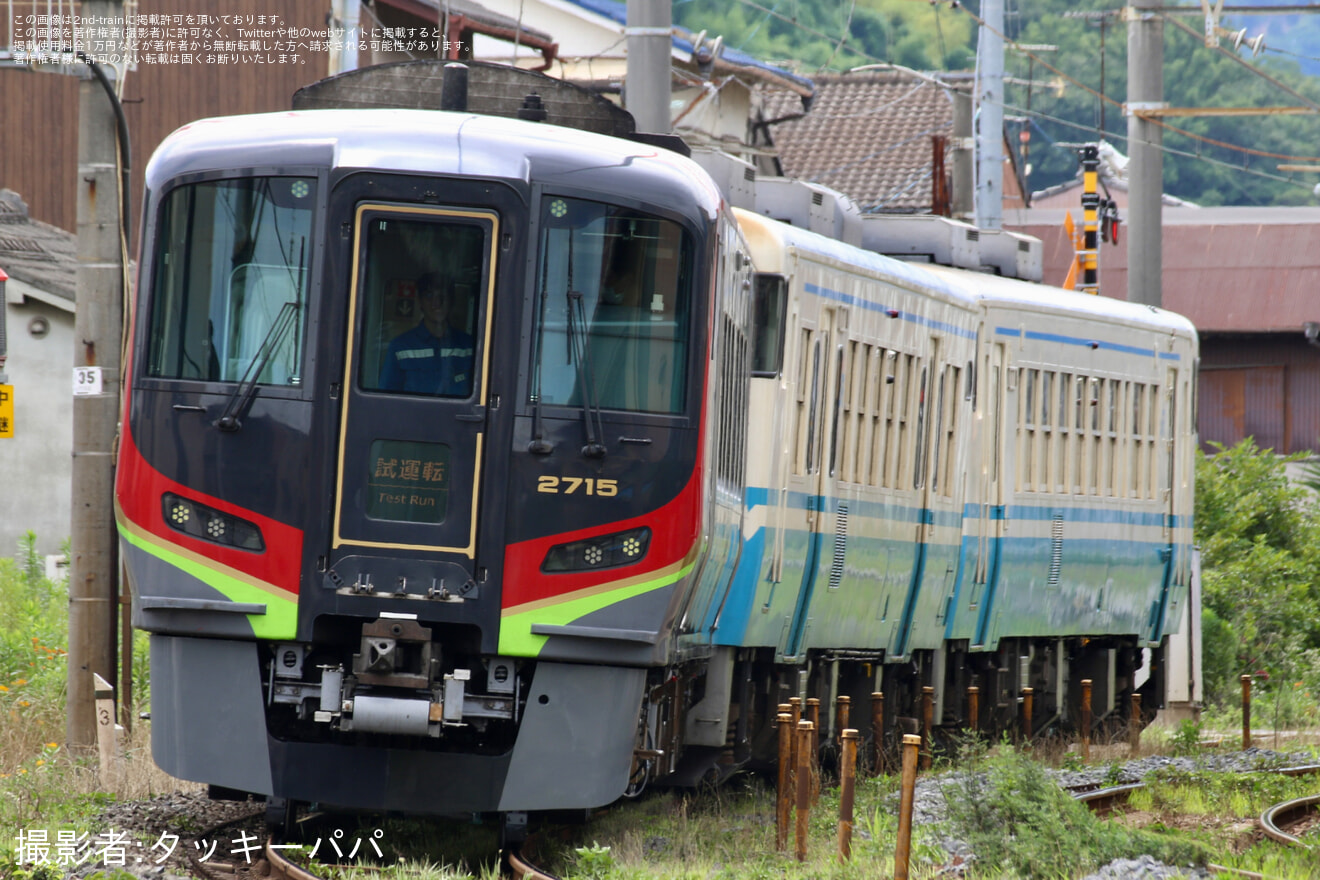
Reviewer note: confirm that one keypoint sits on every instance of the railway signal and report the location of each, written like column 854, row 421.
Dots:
column 1099, row 223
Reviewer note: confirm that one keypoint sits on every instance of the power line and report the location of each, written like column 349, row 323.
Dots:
column 1234, row 56
column 802, row 27
column 1290, row 54
column 1161, row 123
column 1090, row 129
column 843, row 37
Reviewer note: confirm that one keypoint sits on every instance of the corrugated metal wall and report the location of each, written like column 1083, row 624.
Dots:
column 1262, row 385
column 39, row 128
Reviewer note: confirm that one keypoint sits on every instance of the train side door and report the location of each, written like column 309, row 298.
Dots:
column 824, row 366
column 930, row 407
column 1168, row 487
column 992, row 501
column 415, row 386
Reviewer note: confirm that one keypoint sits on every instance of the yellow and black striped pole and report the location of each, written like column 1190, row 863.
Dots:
column 1089, row 256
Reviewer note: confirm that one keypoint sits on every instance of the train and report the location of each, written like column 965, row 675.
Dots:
column 479, row 465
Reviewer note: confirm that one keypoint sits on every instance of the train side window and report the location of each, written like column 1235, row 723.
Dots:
column 1062, row 460
column 1027, row 432
column 813, row 411
column 919, row 456
column 1113, row 461
column 229, row 288
column 1094, row 446
column 900, row 455
column 1152, row 432
column 997, row 395
column 945, row 453
column 1137, row 446
column 840, row 406
column 1047, row 440
column 800, row 406
column 770, row 311
column 880, row 395
column 867, row 411
column 1075, row 392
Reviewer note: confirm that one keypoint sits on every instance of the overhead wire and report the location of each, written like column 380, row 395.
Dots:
column 1290, row 54
column 843, row 37
column 1256, row 70
column 805, row 28
column 1159, row 122
column 1163, row 148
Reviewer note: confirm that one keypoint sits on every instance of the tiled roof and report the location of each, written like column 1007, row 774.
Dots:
column 867, row 134
column 34, row 252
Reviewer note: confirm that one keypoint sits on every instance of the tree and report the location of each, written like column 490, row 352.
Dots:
column 810, row 35
column 1259, row 536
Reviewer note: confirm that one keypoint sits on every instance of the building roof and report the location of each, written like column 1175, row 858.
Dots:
column 467, row 17
column 474, row 12
column 867, row 134
column 1230, row 270
column 35, row 253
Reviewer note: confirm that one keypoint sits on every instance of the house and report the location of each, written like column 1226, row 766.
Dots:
column 879, row 136
column 36, row 462
column 716, row 91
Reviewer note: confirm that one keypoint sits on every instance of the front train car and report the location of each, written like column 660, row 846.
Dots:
column 410, row 487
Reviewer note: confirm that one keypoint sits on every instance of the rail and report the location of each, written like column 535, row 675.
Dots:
column 1288, row 812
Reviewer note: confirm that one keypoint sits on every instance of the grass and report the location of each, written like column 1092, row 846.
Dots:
column 1018, row 821
column 43, row 785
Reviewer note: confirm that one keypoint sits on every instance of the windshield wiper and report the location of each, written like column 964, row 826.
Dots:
column 247, row 386
column 539, row 445
column 580, row 348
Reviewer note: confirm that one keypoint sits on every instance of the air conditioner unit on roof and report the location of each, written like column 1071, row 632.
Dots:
column 925, row 238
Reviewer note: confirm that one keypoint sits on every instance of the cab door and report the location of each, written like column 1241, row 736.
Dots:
column 413, row 425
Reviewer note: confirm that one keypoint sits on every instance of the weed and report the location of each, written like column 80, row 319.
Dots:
column 1013, row 815
column 592, row 862
column 1072, row 762
column 1186, row 740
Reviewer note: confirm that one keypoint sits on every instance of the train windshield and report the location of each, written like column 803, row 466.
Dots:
column 229, row 288
column 613, row 303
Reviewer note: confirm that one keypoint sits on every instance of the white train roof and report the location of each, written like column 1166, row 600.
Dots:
column 430, row 142
column 970, row 288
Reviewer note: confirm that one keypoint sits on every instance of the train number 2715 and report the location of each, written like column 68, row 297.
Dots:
column 569, row 485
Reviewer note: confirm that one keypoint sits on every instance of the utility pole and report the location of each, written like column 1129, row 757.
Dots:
column 990, row 131
column 98, row 324
column 646, row 87
column 1145, row 159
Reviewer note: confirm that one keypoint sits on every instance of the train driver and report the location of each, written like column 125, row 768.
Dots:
column 434, row 357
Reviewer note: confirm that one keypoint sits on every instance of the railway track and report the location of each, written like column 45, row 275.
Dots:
column 1278, row 822
column 1293, row 816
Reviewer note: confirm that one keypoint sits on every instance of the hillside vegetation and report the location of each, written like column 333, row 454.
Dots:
column 816, row 35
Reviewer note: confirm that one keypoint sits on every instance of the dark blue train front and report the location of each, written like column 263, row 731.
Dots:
column 411, row 487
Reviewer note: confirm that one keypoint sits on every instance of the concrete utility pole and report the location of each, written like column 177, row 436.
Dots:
column 646, row 89
column 1145, row 158
column 990, row 132
column 98, row 323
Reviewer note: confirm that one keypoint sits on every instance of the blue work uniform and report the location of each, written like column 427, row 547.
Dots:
column 420, row 363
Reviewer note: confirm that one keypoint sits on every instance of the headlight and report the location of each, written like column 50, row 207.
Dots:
column 210, row 524
column 607, row 551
